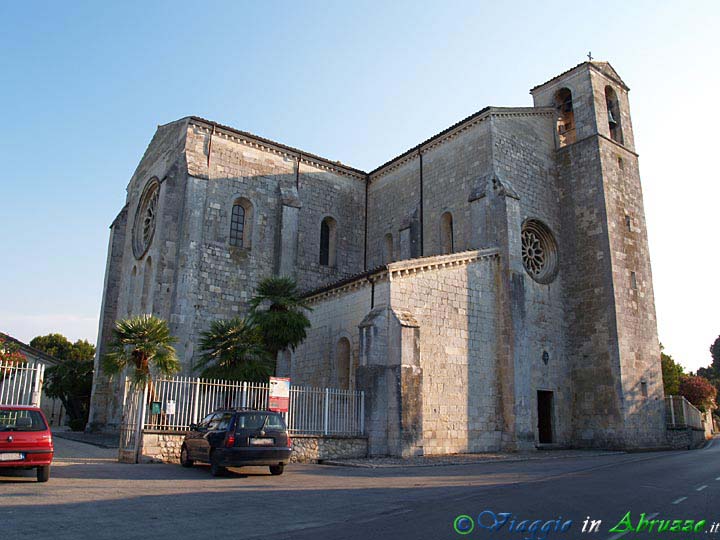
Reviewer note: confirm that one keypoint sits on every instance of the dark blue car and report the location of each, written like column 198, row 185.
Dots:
column 238, row 437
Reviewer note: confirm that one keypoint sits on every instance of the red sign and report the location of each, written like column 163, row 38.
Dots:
column 279, row 394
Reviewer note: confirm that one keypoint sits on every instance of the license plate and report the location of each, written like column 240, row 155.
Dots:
column 11, row 456
column 262, row 442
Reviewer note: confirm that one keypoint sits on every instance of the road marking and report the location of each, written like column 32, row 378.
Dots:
column 620, row 535
column 700, row 488
column 681, row 499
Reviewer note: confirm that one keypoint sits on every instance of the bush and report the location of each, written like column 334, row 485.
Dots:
column 76, row 424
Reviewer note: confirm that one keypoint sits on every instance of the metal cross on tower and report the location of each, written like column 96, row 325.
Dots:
column 590, row 58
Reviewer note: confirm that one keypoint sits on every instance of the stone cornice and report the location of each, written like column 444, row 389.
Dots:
column 424, row 264
column 600, row 136
column 595, row 66
column 399, row 269
column 254, row 141
column 348, row 284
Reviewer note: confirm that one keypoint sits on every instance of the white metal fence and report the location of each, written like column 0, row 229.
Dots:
column 21, row 384
column 174, row 404
column 679, row 412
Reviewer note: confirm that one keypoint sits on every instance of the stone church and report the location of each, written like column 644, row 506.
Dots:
column 489, row 289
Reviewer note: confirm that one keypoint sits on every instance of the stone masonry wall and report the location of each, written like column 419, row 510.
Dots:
column 217, row 280
column 455, row 308
column 524, row 158
column 162, row 161
column 104, row 391
column 394, row 205
column 333, row 317
column 165, row 448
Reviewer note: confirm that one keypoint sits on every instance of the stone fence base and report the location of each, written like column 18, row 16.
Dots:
column 685, row 438
column 164, row 447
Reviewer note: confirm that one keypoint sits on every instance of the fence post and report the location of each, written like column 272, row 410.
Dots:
column 362, row 412
column 37, row 384
column 244, row 395
column 326, row 412
column 196, row 401
column 672, row 411
column 684, row 409
column 140, row 424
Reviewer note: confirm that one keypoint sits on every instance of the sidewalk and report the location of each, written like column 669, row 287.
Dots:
column 466, row 459
column 102, row 440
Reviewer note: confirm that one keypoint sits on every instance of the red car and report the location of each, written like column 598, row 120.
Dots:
column 25, row 440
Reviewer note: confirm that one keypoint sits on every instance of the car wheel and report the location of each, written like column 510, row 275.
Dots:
column 43, row 473
column 215, row 468
column 277, row 469
column 185, row 460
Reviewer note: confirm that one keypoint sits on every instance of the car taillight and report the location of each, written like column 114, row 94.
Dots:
column 289, row 441
column 230, row 440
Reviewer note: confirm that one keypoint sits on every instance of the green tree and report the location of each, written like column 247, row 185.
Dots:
column 143, row 344
column 71, row 380
column 698, row 391
column 55, row 345
column 233, row 349
column 712, row 372
column 278, row 310
column 671, row 373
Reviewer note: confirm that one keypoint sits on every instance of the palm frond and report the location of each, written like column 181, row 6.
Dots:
column 143, row 343
column 233, row 349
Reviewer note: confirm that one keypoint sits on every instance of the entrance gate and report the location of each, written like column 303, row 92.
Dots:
column 131, row 426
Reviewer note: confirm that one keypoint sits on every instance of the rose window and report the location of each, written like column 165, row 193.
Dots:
column 145, row 219
column 539, row 251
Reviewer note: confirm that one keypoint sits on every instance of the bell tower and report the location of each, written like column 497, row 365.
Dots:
column 609, row 304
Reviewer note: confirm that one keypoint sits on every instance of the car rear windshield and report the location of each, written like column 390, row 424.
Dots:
column 258, row 421
column 21, row 420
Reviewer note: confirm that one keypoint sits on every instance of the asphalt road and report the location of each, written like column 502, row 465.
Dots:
column 91, row 496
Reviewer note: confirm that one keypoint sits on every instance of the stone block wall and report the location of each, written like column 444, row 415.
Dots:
column 685, row 438
column 163, row 162
column 165, row 448
column 314, row 449
column 394, row 206
column 454, row 304
column 334, row 316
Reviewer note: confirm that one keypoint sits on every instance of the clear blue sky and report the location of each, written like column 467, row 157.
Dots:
column 84, row 84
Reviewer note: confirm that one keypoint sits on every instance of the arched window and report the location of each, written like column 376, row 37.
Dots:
column 388, row 249
column 613, row 114
column 241, row 223
column 565, row 117
column 328, row 234
column 147, row 276
column 447, row 237
column 343, row 363
column 131, row 291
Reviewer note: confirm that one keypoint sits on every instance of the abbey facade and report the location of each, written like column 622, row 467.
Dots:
column 488, row 289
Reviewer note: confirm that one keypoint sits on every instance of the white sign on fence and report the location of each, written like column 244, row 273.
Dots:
column 279, row 394
column 187, row 400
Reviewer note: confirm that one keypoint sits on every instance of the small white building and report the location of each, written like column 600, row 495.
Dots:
column 53, row 408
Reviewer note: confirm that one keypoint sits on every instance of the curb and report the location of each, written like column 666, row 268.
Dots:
column 336, row 463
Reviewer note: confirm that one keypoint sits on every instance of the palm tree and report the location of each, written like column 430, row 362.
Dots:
column 278, row 310
column 233, row 349
column 144, row 344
